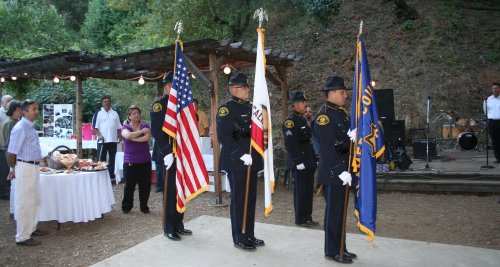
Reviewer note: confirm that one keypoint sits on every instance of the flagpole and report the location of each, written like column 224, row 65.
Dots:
column 247, row 188
column 165, row 187
column 260, row 14
column 346, row 190
column 178, row 28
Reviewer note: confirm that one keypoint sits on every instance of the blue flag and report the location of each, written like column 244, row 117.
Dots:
column 369, row 144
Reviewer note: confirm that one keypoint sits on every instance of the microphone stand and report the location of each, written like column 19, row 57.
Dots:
column 427, row 167
column 487, row 166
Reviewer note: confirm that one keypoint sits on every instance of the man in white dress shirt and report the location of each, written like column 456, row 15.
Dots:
column 24, row 159
column 106, row 125
column 492, row 110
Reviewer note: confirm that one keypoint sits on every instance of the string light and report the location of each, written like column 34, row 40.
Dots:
column 227, row 69
column 141, row 80
column 72, row 78
column 14, row 78
column 56, row 79
column 192, row 75
column 2, row 79
column 373, row 83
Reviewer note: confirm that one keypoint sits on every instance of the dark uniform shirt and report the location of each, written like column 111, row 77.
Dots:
column 234, row 119
column 297, row 135
column 162, row 145
column 330, row 128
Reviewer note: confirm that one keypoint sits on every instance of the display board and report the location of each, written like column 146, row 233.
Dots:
column 58, row 120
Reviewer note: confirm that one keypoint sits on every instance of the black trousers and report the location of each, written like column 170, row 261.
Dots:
column 4, row 172
column 160, row 174
column 334, row 196
column 173, row 219
column 303, row 194
column 136, row 174
column 237, row 182
column 494, row 130
column 102, row 151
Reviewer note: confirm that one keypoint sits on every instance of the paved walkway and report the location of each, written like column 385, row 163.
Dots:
column 211, row 245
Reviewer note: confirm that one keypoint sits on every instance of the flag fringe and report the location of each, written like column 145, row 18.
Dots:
column 257, row 148
column 364, row 229
column 268, row 210
column 195, row 194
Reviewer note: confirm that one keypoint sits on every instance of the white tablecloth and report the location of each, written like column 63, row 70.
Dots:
column 119, row 166
column 71, row 143
column 80, row 197
column 207, row 158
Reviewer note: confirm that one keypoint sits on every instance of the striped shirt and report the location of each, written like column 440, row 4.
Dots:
column 24, row 142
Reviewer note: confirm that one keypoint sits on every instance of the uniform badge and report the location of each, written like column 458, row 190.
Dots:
column 157, row 107
column 288, row 133
column 289, row 124
column 223, row 111
column 322, row 120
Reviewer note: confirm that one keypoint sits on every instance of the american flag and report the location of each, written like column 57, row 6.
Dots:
column 181, row 124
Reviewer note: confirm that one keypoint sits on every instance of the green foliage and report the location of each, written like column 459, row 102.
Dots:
column 492, row 56
column 65, row 93
column 408, row 25
column 404, row 11
column 73, row 11
column 323, row 10
column 393, row 44
column 32, row 30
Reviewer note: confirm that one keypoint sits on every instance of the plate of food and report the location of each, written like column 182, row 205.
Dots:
column 47, row 170
column 89, row 166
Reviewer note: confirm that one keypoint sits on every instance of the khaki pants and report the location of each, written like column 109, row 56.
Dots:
column 27, row 200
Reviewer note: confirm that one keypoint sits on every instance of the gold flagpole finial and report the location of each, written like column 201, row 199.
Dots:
column 260, row 14
column 360, row 28
column 178, row 28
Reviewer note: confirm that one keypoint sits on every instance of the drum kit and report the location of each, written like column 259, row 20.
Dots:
column 461, row 132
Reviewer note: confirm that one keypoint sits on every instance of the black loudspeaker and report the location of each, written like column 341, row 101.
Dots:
column 420, row 148
column 402, row 159
column 394, row 133
column 385, row 103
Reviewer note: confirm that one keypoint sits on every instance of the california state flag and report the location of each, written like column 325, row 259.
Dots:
column 261, row 122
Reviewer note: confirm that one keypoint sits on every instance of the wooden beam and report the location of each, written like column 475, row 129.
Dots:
column 199, row 75
column 79, row 104
column 272, row 78
column 214, row 103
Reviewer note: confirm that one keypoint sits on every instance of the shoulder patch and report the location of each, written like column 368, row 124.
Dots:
column 289, row 124
column 322, row 119
column 223, row 111
column 157, row 107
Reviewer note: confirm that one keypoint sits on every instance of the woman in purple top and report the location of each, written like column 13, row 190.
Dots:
column 136, row 160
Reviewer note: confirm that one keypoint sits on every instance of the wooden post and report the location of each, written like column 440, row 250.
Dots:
column 78, row 126
column 159, row 89
column 214, row 103
column 284, row 92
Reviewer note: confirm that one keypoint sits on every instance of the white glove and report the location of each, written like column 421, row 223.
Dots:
column 346, row 178
column 247, row 159
column 352, row 134
column 168, row 160
column 300, row 166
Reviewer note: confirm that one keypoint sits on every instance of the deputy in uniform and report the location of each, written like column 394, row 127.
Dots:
column 162, row 153
column 297, row 134
column 330, row 127
column 234, row 118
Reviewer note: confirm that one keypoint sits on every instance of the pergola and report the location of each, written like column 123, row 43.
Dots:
column 205, row 59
